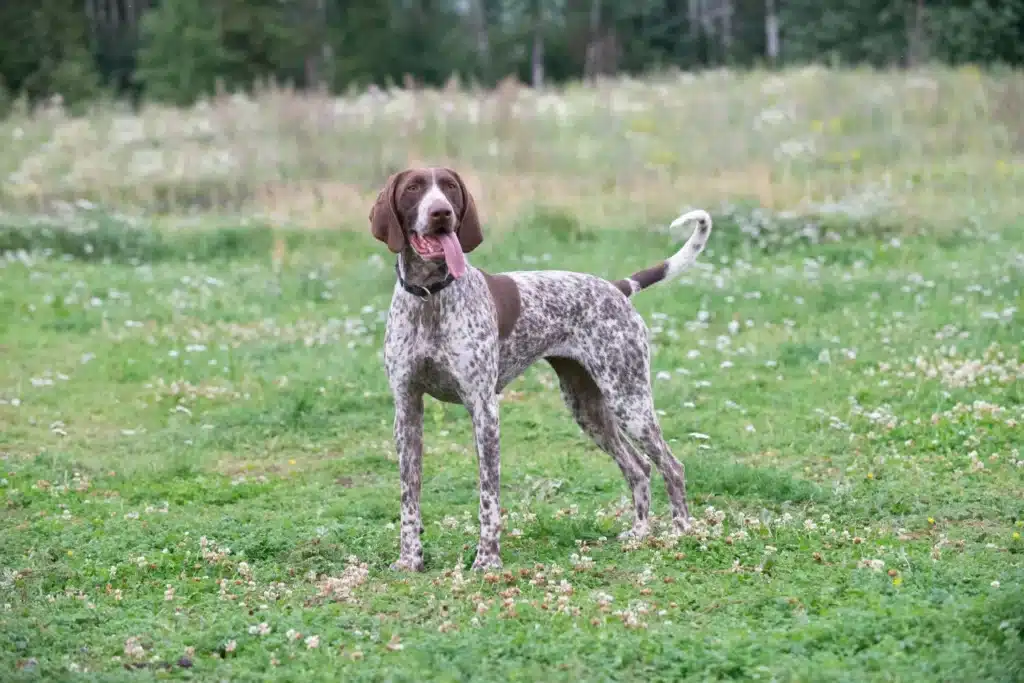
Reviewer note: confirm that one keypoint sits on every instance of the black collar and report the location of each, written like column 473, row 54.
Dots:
column 421, row 291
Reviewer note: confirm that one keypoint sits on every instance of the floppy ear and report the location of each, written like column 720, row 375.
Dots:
column 384, row 222
column 469, row 233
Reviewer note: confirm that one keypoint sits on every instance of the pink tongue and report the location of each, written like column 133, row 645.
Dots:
column 453, row 254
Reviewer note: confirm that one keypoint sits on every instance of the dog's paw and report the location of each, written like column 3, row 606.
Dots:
column 407, row 565
column 682, row 525
column 638, row 533
column 484, row 562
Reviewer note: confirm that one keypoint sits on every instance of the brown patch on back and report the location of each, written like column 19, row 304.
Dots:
column 507, row 303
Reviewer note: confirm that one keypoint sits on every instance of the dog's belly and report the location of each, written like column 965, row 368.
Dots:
column 509, row 368
column 436, row 381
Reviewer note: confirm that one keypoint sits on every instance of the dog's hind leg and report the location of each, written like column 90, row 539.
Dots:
column 625, row 385
column 635, row 415
column 588, row 407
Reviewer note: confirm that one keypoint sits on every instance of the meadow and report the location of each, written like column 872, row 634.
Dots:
column 196, row 463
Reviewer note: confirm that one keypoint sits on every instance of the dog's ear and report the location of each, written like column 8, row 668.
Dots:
column 384, row 221
column 469, row 233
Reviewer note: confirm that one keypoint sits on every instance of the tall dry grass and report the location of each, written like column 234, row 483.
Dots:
column 934, row 145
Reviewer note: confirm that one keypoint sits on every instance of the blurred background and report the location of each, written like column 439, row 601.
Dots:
column 295, row 111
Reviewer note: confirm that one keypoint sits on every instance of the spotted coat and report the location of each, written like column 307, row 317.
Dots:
column 463, row 341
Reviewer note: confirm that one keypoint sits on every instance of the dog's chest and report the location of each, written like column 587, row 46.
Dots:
column 437, row 370
column 440, row 347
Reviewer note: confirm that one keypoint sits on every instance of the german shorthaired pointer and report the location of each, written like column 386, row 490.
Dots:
column 461, row 335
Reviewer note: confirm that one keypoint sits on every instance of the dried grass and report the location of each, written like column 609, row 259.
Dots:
column 936, row 145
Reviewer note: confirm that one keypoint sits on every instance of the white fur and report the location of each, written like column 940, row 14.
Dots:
column 430, row 200
column 685, row 257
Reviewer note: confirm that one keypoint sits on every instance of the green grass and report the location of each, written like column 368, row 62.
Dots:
column 859, row 481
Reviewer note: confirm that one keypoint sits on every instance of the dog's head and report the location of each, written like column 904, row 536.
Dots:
column 419, row 207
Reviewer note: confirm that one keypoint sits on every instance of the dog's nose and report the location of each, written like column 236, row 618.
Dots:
column 440, row 213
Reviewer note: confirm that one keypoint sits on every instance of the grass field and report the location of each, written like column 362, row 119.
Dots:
column 198, row 471
column 198, row 478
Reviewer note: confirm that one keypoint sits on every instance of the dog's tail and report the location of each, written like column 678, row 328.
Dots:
column 675, row 264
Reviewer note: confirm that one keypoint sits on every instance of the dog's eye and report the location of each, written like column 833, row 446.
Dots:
column 412, row 187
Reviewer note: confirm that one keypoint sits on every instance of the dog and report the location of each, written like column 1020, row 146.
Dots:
column 461, row 335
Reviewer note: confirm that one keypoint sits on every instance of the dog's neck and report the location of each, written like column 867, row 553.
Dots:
column 419, row 274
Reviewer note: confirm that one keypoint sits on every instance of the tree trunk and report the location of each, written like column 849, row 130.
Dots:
column 537, row 58
column 592, row 60
column 915, row 41
column 726, row 11
column 771, row 32
column 90, row 15
column 478, row 20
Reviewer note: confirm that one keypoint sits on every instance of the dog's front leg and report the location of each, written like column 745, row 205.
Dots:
column 484, row 412
column 409, row 444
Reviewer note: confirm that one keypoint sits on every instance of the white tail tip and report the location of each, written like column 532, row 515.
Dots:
column 699, row 215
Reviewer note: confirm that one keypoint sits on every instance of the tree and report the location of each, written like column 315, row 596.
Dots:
column 181, row 54
column 854, row 32
column 181, row 49
column 979, row 31
column 45, row 51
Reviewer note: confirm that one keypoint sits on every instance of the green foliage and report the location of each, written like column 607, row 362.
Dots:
column 861, row 31
column 262, row 39
column 882, row 32
column 191, row 46
column 45, row 51
column 108, row 239
column 73, row 77
column 6, row 100
column 377, row 43
column 182, row 54
column 181, row 49
column 978, row 31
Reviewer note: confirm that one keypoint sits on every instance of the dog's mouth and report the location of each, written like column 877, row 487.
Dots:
column 442, row 246
column 427, row 246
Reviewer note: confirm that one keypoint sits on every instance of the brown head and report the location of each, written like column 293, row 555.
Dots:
column 422, row 208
